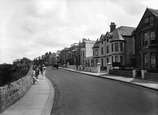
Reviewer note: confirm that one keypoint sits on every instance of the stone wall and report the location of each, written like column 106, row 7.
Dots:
column 151, row 76
column 126, row 73
column 10, row 94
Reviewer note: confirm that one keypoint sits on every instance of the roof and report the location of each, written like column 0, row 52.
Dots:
column 153, row 11
column 96, row 45
column 122, row 31
column 109, row 34
column 126, row 31
column 117, row 35
column 103, row 35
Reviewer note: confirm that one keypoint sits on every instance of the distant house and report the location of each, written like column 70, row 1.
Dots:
column 146, row 36
column 72, row 52
column 96, row 56
column 102, row 51
column 58, row 55
column 86, row 52
column 64, row 56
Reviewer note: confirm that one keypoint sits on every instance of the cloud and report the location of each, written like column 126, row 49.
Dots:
column 32, row 27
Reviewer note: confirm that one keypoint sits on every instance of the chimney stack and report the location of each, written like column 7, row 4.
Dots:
column 112, row 27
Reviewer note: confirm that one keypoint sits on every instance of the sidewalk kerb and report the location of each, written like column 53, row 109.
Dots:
column 49, row 104
column 112, row 79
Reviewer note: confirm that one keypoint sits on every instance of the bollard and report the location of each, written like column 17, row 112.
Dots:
column 98, row 67
column 134, row 73
column 143, row 73
column 109, row 67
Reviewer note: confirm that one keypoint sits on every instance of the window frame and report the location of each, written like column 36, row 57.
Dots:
column 116, row 47
column 153, row 67
column 146, row 20
column 151, row 20
column 107, row 49
column 116, row 58
column 121, row 46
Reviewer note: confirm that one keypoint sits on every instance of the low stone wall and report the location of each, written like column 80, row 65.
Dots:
column 151, row 76
column 91, row 69
column 127, row 73
column 72, row 66
column 10, row 94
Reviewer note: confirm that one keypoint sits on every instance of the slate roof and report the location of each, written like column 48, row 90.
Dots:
column 126, row 31
column 122, row 31
column 96, row 45
column 154, row 12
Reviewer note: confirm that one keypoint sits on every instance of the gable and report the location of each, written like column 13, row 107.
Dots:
column 147, row 13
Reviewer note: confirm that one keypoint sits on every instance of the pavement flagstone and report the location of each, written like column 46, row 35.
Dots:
column 37, row 101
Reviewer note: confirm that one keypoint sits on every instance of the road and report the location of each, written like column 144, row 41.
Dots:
column 79, row 94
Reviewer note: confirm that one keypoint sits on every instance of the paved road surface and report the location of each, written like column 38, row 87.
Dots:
column 79, row 94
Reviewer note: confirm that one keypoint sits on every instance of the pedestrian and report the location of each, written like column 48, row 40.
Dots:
column 33, row 77
column 41, row 69
column 44, row 69
column 37, row 74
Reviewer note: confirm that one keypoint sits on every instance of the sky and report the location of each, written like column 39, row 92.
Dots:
column 30, row 28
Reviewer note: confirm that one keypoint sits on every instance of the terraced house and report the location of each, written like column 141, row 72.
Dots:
column 146, row 36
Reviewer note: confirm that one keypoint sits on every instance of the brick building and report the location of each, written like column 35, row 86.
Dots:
column 146, row 36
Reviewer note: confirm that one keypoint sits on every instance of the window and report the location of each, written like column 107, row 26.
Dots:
column 93, row 52
column 92, row 63
column 121, row 59
column 152, row 35
column 112, row 48
column 145, row 60
column 102, row 61
column 146, row 20
column 96, row 61
column 96, row 52
column 121, row 46
column 112, row 59
column 116, row 58
column 107, row 60
column 107, row 49
column 151, row 20
column 107, row 39
column 145, row 42
column 83, row 52
column 153, row 60
column 102, row 51
column 116, row 46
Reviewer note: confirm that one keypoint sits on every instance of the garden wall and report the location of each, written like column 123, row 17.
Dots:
column 10, row 94
column 127, row 73
column 151, row 76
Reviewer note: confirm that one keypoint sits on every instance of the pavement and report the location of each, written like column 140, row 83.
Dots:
column 37, row 101
column 139, row 82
